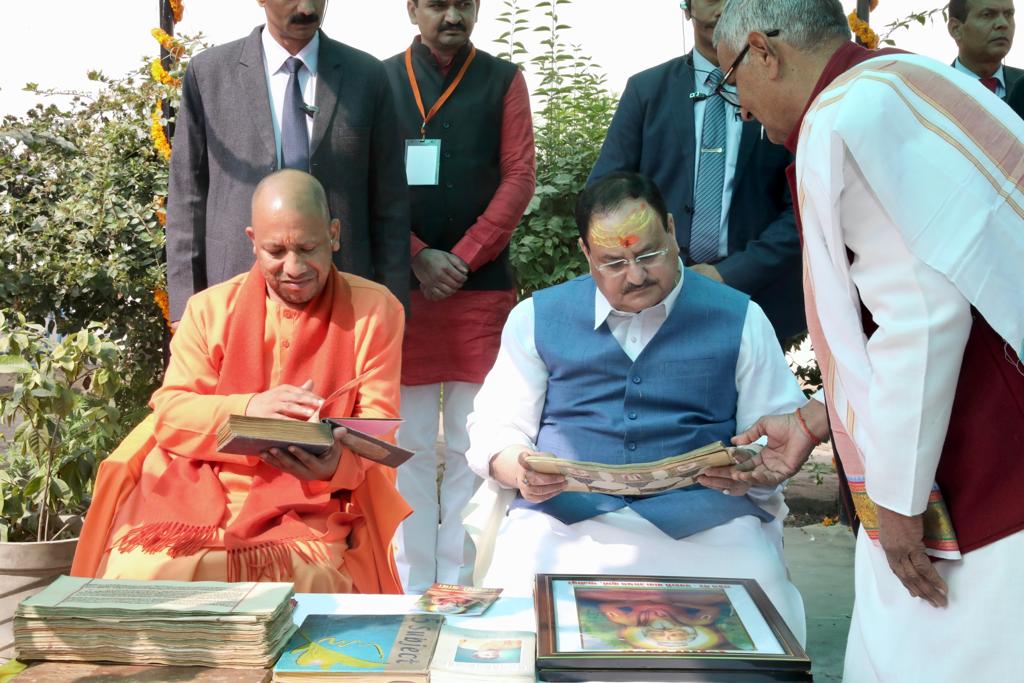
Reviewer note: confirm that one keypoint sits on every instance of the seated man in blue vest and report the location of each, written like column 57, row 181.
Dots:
column 637, row 361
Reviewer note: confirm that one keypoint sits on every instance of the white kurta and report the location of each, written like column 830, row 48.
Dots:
column 507, row 412
column 917, row 170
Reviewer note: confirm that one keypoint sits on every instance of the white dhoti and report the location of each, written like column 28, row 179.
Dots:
column 895, row 637
column 622, row 542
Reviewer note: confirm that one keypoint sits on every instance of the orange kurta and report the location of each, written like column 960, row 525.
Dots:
column 186, row 417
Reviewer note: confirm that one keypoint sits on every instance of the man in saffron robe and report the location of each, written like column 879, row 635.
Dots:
column 909, row 178
column 273, row 342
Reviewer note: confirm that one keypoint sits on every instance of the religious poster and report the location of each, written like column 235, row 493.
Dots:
column 623, row 623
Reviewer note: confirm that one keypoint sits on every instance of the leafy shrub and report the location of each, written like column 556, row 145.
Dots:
column 575, row 112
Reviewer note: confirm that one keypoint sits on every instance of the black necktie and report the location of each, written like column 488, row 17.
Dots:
column 294, row 133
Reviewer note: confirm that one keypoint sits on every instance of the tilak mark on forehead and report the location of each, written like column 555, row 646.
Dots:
column 625, row 233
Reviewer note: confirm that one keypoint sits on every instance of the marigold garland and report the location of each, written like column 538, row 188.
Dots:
column 160, row 75
column 156, row 131
column 161, row 217
column 168, row 43
column 160, row 297
column 177, row 9
column 865, row 34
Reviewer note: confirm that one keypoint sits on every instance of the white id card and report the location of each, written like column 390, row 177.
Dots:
column 422, row 161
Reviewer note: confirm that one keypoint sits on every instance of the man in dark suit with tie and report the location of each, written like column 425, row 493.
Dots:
column 286, row 96
column 983, row 32
column 722, row 180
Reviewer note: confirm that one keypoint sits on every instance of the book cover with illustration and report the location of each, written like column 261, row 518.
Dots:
column 342, row 647
column 464, row 655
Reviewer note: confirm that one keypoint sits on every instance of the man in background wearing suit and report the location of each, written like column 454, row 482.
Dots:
column 245, row 113
column 731, row 204
column 983, row 31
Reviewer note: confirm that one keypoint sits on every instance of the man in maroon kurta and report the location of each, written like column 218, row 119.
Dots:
column 469, row 114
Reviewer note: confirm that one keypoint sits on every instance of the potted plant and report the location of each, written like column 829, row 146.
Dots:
column 59, row 419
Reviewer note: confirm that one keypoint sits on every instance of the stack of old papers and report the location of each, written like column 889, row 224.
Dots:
column 156, row 622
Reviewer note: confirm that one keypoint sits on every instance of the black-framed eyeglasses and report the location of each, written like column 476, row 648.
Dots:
column 731, row 96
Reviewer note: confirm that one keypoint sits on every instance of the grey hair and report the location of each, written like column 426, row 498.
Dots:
column 805, row 24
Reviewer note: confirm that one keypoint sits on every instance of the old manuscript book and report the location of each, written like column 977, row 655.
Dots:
column 637, row 479
column 203, row 623
column 244, row 435
column 360, row 648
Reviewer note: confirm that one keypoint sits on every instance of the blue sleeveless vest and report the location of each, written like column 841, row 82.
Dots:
column 678, row 395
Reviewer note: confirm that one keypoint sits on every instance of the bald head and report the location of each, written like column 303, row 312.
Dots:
column 292, row 188
column 293, row 236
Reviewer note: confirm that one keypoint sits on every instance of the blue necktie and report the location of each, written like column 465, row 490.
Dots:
column 707, row 199
column 294, row 133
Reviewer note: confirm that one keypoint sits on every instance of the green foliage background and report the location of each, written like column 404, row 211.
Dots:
column 79, row 190
column 575, row 111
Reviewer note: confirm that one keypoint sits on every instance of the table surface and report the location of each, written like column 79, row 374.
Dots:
column 507, row 614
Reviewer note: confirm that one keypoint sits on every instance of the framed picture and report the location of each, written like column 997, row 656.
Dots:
column 662, row 624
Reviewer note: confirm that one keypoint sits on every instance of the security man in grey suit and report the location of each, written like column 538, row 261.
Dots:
column 733, row 213
column 286, row 96
column 983, row 33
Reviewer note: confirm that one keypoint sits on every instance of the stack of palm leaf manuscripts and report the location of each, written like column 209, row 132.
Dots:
column 156, row 622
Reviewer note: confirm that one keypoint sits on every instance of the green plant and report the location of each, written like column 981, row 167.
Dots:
column 63, row 416
column 81, row 192
column 921, row 17
column 575, row 111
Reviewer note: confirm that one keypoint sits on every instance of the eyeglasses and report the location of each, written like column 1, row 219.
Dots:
column 619, row 267
column 731, row 96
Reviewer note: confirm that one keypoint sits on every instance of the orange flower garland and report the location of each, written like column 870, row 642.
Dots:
column 168, row 43
column 156, row 131
column 160, row 297
column 865, row 34
column 160, row 75
column 177, row 9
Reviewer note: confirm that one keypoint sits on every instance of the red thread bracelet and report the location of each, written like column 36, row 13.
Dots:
column 807, row 430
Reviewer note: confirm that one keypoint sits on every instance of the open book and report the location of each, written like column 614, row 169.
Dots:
column 243, row 435
column 638, row 479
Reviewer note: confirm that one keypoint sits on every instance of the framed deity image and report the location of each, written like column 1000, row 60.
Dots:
column 662, row 624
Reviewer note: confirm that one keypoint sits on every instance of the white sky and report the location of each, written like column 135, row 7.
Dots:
column 54, row 43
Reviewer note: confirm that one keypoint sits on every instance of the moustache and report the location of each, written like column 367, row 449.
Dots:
column 303, row 19
column 630, row 288
column 452, row 27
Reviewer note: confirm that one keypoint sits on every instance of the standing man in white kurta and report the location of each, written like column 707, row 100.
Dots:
column 638, row 361
column 909, row 179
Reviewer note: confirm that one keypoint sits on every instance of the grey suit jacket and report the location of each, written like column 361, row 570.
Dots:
column 224, row 145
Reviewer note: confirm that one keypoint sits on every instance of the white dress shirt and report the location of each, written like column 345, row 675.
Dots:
column 274, row 57
column 733, row 130
column 998, row 75
column 508, row 408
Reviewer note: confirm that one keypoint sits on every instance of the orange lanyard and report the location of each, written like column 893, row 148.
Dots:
column 444, row 96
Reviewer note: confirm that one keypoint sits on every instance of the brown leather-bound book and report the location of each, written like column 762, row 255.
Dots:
column 244, row 435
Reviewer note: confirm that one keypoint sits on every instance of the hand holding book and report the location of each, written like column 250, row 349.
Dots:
column 304, row 465
column 638, row 479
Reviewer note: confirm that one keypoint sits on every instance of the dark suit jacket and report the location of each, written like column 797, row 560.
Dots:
column 653, row 133
column 1010, row 74
column 224, row 145
column 1015, row 96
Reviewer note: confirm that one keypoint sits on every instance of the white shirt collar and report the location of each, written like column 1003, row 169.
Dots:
column 998, row 75
column 702, row 67
column 603, row 309
column 276, row 55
